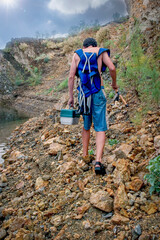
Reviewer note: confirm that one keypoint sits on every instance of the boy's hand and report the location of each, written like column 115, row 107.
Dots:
column 114, row 86
column 71, row 102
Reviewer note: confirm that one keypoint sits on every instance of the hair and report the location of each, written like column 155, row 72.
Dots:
column 90, row 42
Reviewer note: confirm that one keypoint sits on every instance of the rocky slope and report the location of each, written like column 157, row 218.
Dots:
column 48, row 191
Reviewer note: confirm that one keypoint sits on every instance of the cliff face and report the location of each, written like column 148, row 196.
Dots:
column 7, row 72
column 128, row 4
column 147, row 13
column 22, row 59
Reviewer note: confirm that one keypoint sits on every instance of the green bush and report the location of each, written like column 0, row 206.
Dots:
column 7, row 50
column 111, row 94
column 48, row 91
column 113, row 141
column 63, row 85
column 35, row 70
column 91, row 152
column 46, row 60
column 109, row 43
column 153, row 177
column 35, row 79
column 19, row 80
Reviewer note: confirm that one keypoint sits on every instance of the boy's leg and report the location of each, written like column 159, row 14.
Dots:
column 85, row 141
column 86, row 133
column 100, row 142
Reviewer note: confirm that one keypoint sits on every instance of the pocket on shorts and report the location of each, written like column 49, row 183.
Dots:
column 100, row 98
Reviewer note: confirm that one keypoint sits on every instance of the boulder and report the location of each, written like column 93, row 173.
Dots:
column 121, row 199
column 118, row 219
column 102, row 201
column 55, row 148
column 123, row 151
column 121, row 172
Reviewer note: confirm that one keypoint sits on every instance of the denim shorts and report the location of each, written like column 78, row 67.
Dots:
column 98, row 112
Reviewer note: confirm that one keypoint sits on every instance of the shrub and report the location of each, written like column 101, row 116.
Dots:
column 111, row 94
column 23, row 46
column 7, row 50
column 63, row 85
column 41, row 57
column 153, row 177
column 35, row 78
column 113, row 141
column 72, row 43
column 48, row 91
column 109, row 43
column 91, row 152
column 102, row 35
column 51, row 45
column 19, row 80
column 46, row 59
column 137, row 119
column 35, row 70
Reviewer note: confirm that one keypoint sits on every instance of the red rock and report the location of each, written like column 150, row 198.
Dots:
column 122, row 172
column 68, row 166
column 17, row 224
column 40, row 183
column 123, row 151
column 55, row 148
column 121, row 199
column 102, row 201
column 118, row 219
column 83, row 208
column 149, row 208
column 136, row 184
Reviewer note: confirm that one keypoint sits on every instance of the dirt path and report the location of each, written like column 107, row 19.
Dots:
column 49, row 192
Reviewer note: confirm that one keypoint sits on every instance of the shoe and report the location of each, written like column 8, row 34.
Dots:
column 99, row 168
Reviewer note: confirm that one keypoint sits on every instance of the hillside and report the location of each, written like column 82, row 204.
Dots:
column 47, row 190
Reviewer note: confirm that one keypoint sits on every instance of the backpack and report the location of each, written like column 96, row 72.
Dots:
column 90, row 79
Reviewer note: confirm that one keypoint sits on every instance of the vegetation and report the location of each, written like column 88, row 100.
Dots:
column 7, row 50
column 111, row 94
column 109, row 43
column 140, row 72
column 153, row 177
column 91, row 152
column 113, row 142
column 35, row 78
column 138, row 118
column 19, row 80
column 47, row 91
column 102, row 35
column 63, row 85
column 72, row 43
column 41, row 57
column 46, row 59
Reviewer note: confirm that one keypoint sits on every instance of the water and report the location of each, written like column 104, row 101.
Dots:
column 9, row 120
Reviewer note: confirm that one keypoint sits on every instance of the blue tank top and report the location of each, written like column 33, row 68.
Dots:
column 90, row 80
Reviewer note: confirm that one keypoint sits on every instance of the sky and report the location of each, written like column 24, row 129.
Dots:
column 53, row 18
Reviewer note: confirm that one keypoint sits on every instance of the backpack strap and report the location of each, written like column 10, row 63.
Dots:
column 79, row 52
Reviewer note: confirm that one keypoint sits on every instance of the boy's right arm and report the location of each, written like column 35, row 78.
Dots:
column 107, row 61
